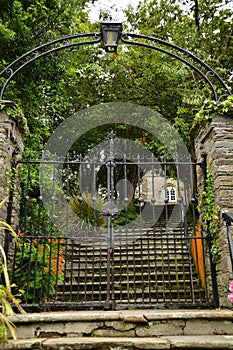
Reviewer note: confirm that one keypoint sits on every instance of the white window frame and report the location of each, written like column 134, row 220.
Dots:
column 171, row 194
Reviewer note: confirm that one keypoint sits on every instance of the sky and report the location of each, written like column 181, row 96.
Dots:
column 114, row 6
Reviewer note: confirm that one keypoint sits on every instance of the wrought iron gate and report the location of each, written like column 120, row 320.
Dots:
column 105, row 231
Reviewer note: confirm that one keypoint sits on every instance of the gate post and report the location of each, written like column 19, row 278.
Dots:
column 209, row 240
column 11, row 147
column 215, row 138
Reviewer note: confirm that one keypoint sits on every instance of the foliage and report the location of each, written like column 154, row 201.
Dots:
column 50, row 90
column 211, row 213
column 16, row 114
column 38, row 267
column 6, row 296
column 126, row 215
column 201, row 27
column 211, row 109
column 89, row 208
column 69, row 81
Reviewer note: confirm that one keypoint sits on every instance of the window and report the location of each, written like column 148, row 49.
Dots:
column 171, row 194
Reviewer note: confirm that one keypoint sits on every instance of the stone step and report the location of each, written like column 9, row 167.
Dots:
column 150, row 249
column 129, row 248
column 132, row 273
column 151, row 268
column 156, row 277
column 121, row 262
column 130, row 295
column 167, row 255
column 125, row 279
column 124, row 329
column 170, row 287
column 154, row 246
column 218, row 342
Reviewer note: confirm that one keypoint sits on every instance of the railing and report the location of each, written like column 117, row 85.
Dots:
column 80, row 254
column 160, row 258
column 145, row 270
column 228, row 218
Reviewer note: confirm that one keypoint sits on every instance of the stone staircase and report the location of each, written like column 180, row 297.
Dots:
column 123, row 330
column 144, row 284
column 144, row 269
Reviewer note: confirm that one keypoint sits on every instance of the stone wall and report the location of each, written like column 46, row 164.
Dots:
column 215, row 138
column 11, row 143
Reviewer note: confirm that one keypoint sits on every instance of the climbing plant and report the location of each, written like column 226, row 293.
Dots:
column 211, row 108
column 211, row 212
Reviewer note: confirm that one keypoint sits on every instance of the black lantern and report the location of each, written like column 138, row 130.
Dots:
column 111, row 33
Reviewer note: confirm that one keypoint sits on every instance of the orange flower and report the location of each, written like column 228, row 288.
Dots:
column 46, row 270
column 53, row 262
column 20, row 233
column 60, row 259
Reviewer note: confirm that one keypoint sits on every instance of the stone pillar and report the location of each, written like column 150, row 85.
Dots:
column 215, row 138
column 11, row 143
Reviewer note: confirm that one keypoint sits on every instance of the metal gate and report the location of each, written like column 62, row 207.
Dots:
column 110, row 231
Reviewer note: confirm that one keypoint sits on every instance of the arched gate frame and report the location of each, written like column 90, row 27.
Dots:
column 152, row 286
column 75, row 40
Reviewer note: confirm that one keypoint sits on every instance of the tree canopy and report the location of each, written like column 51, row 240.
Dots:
column 53, row 88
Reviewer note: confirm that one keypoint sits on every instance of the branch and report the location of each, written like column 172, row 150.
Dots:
column 196, row 15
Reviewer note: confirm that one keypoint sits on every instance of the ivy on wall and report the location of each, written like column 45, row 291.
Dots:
column 211, row 108
column 17, row 115
column 211, row 213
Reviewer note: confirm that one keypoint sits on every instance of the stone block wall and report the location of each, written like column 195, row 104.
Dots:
column 215, row 138
column 11, row 143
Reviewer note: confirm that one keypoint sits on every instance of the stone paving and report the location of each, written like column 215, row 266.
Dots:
column 168, row 342
column 124, row 330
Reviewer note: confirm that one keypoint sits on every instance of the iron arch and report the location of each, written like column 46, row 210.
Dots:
column 206, row 73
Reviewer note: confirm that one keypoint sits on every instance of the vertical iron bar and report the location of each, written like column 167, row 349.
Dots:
column 111, row 211
column 49, row 241
column 67, row 195
column 86, row 275
column 149, row 267
column 186, row 236
column 204, row 261
column 166, row 199
column 27, row 194
column 230, row 243
column 153, row 199
column 176, row 271
column 53, row 192
column 8, row 235
column 168, row 253
column 209, row 240
column 140, row 192
column 79, row 277
column 29, row 273
column 40, row 199
column 71, row 269
column 100, row 279
column 155, row 266
column 180, row 198
column 64, row 270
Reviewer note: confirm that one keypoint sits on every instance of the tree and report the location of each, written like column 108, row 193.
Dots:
column 202, row 27
column 67, row 82
column 25, row 24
